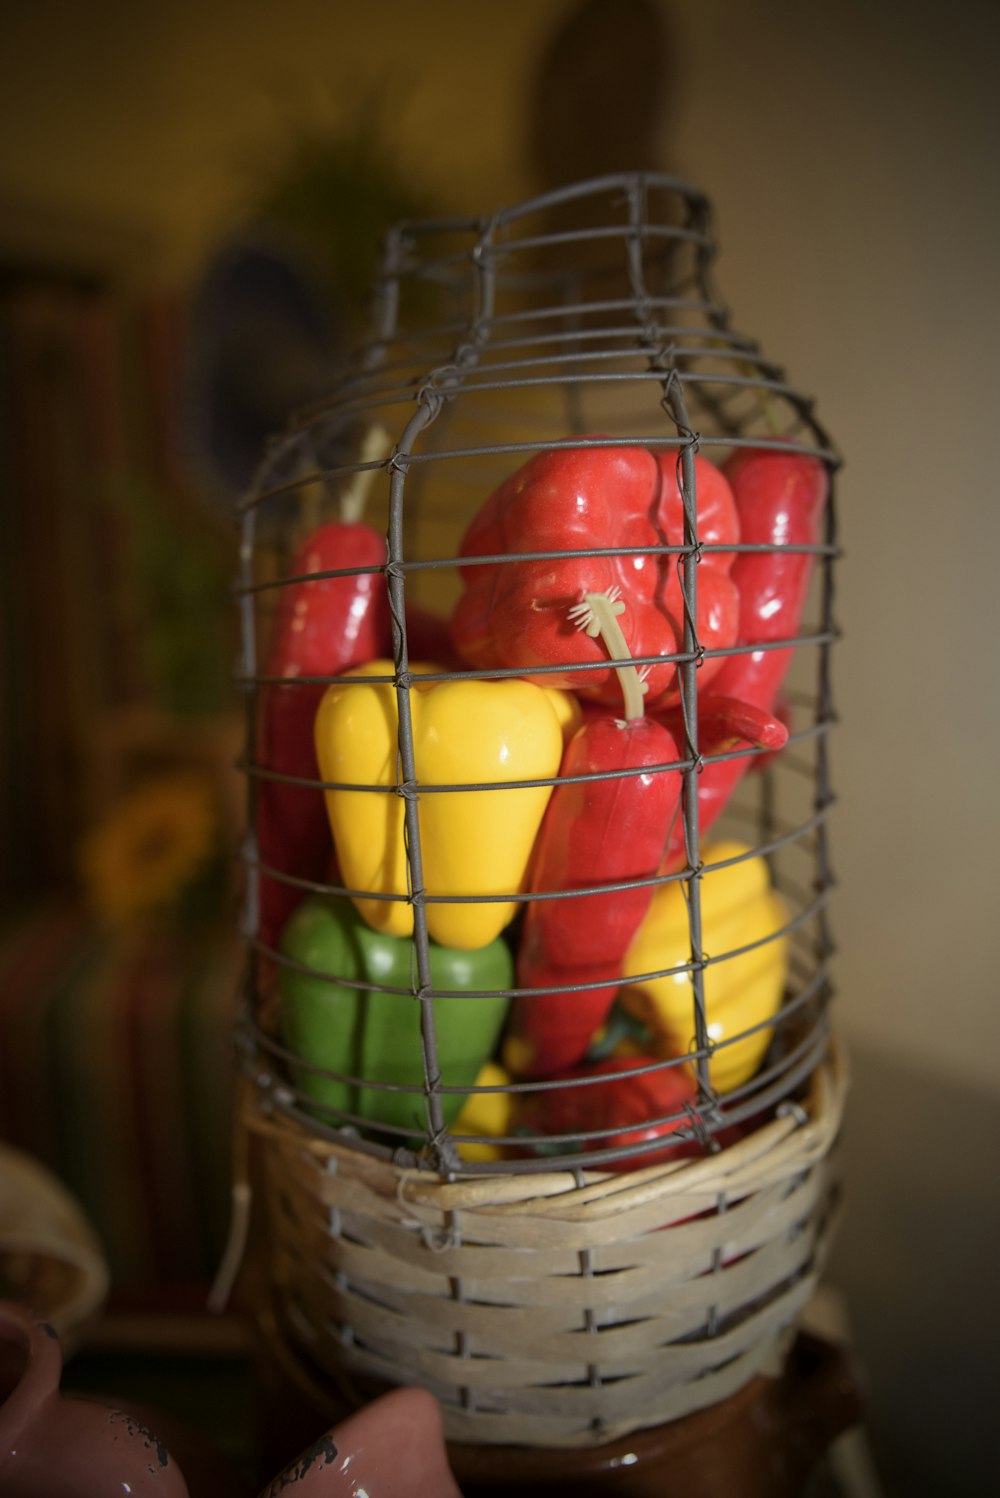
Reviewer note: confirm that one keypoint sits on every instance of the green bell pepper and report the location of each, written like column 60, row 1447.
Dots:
column 376, row 1036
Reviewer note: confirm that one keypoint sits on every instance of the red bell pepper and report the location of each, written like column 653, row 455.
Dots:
column 515, row 614
column 594, row 832
column 639, row 1106
column 779, row 499
column 718, row 603
column 321, row 628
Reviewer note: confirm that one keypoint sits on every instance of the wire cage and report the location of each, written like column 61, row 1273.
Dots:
column 536, row 1021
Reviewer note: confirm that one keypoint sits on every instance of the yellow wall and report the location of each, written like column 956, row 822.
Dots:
column 850, row 150
column 157, row 114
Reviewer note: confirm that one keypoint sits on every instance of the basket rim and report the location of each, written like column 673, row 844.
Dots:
column 786, row 1144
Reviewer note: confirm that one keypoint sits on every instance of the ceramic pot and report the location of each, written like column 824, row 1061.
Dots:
column 55, row 1445
column 393, row 1448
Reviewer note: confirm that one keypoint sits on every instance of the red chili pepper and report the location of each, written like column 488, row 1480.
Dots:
column 321, row 627
column 779, row 499
column 630, row 1102
column 724, row 724
column 783, row 715
column 594, row 832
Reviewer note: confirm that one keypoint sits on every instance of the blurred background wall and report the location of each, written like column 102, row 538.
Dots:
column 850, row 152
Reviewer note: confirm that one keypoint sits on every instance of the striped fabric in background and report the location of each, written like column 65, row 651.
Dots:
column 116, row 1071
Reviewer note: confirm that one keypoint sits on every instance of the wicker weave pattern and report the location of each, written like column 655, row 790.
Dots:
column 551, row 1310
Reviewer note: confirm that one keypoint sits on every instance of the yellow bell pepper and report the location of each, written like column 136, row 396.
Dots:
column 472, row 842
column 738, row 906
column 569, row 713
column 490, row 1114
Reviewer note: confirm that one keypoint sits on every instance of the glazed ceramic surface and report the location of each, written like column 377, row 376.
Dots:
column 393, row 1448
column 54, row 1445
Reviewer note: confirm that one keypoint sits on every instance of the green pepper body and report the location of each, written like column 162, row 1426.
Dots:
column 375, row 1036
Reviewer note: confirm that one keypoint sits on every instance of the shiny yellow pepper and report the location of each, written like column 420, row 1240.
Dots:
column 472, row 842
column 738, row 907
column 491, row 1115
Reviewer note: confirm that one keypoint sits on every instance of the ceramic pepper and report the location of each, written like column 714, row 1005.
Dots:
column 569, row 500
column 475, row 842
column 361, row 1032
column 610, row 830
column 739, row 910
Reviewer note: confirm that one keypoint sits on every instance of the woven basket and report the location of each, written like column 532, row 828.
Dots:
column 552, row 1310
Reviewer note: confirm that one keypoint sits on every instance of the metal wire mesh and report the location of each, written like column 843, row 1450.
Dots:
column 586, row 311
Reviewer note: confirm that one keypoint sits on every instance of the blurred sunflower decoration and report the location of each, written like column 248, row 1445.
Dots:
column 157, row 852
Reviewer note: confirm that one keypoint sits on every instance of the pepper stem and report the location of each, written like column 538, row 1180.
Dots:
column 598, row 615
column 375, row 447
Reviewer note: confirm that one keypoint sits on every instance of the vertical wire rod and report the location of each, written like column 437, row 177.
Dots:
column 688, row 673
column 824, row 711
column 673, row 397
column 386, row 309
column 414, row 853
column 428, row 408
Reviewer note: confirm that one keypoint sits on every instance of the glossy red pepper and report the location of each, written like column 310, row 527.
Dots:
column 779, row 499
column 724, row 725
column 637, row 1106
column 321, row 627
column 594, row 832
column 515, row 614
column 718, row 603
